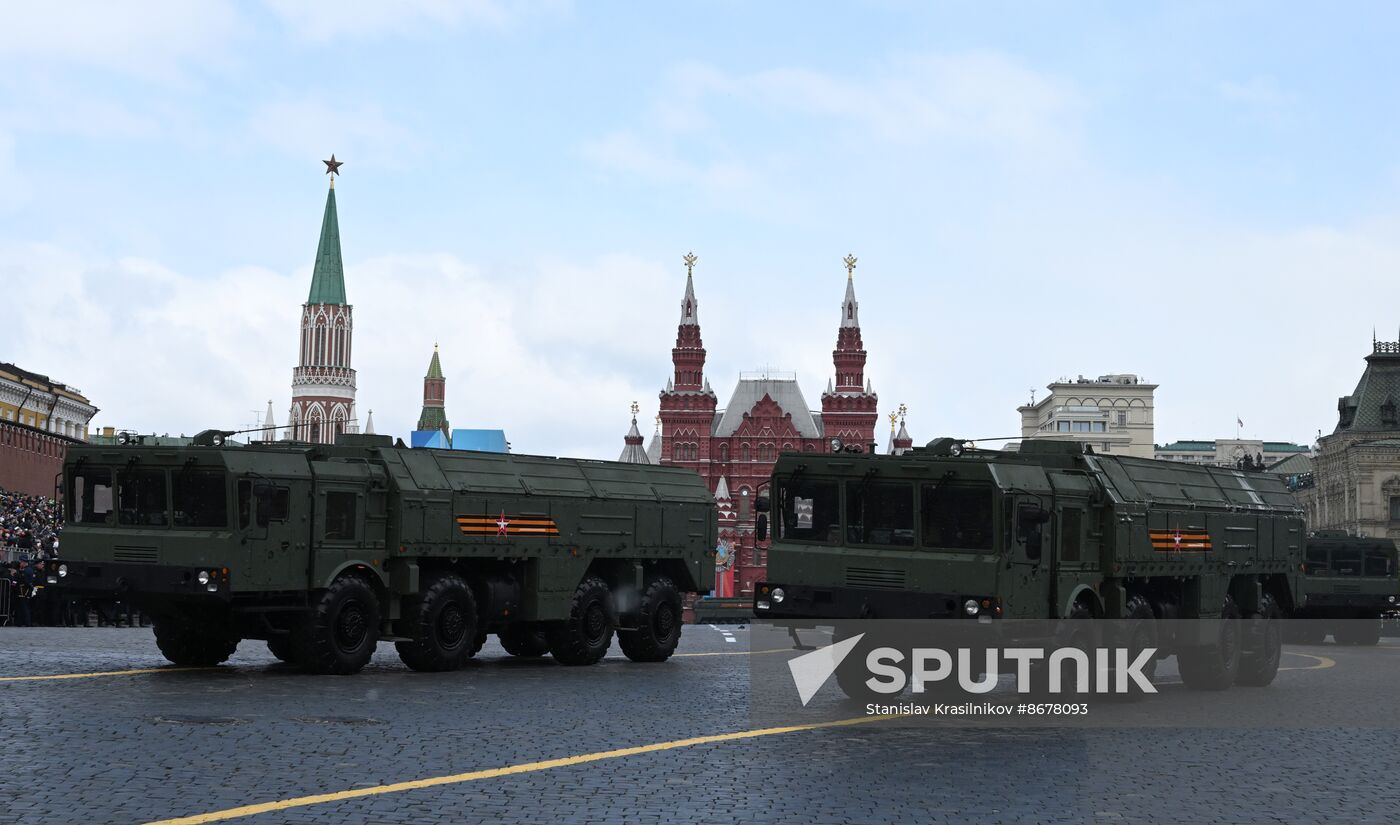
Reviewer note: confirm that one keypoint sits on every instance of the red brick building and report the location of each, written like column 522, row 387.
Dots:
column 734, row 447
column 39, row 419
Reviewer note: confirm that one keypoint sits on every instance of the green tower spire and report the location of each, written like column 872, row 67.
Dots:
column 328, row 279
column 434, row 366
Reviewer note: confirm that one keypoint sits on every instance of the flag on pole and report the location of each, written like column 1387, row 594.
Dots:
column 1239, row 422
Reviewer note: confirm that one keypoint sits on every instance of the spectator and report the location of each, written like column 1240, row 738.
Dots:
column 29, row 525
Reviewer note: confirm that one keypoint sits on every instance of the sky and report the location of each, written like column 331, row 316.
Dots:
column 1207, row 195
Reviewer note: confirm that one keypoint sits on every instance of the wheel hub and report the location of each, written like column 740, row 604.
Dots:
column 351, row 627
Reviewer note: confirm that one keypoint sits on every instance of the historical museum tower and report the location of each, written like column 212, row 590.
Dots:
column 323, row 384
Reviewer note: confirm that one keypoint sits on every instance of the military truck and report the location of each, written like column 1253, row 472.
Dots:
column 1048, row 531
column 1348, row 583
column 323, row 551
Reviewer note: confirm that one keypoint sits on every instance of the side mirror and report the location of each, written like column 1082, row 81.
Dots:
column 760, row 530
column 762, row 504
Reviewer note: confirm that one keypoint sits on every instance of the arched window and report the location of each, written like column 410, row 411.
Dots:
column 724, row 452
column 744, row 452
column 745, row 503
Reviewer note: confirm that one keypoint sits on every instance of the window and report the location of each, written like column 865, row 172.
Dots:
column 1061, row 426
column 1122, row 419
column 1380, row 561
column 958, row 518
column 745, row 504
column 1098, row 426
column 1346, row 561
column 1080, row 426
column 90, row 495
column 743, row 452
column 1395, row 508
column 724, row 452
column 273, row 503
column 1315, row 561
column 809, row 510
column 141, row 498
column 880, row 512
column 340, row 516
column 200, row 499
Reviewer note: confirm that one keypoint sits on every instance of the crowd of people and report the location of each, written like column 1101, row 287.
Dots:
column 30, row 531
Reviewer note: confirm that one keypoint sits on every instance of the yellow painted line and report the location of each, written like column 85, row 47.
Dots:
column 1322, row 661
column 509, row 770
column 135, row 672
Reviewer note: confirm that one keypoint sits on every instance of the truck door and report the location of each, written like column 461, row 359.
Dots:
column 1031, row 550
column 274, row 520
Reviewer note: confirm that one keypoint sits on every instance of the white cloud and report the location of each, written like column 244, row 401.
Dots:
column 321, row 20
column 149, row 38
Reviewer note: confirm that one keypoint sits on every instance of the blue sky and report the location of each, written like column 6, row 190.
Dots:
column 1207, row 196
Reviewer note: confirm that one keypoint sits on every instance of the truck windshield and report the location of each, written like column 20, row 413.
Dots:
column 1380, row 561
column 957, row 518
column 809, row 510
column 141, row 498
column 90, row 495
column 880, row 512
column 201, row 498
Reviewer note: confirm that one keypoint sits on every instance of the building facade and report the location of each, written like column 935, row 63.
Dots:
column 323, row 382
column 39, row 419
column 735, row 446
column 1230, row 452
column 1113, row 413
column 1355, row 483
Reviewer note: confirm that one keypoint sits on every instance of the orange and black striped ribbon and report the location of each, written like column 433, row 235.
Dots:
column 1180, row 540
column 507, row 525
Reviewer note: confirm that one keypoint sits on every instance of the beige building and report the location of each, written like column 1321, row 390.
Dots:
column 1355, row 483
column 1230, row 452
column 1113, row 413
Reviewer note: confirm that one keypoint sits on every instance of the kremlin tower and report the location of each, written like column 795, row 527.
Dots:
column 323, row 384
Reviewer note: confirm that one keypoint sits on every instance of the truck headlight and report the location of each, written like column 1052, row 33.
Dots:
column 777, row 595
column 970, row 607
column 203, row 577
column 213, row 587
column 762, row 604
column 1392, row 598
column 63, row 571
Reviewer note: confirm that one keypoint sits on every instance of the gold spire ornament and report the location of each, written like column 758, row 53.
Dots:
column 893, row 418
column 690, row 260
column 850, row 261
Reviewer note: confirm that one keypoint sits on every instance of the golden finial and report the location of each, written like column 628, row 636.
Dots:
column 850, row 261
column 435, row 349
column 893, row 418
column 658, row 422
column 690, row 260
column 636, row 408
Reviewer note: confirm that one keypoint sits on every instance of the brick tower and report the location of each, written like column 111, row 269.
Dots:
column 323, row 384
column 849, row 407
column 434, row 414
column 688, row 403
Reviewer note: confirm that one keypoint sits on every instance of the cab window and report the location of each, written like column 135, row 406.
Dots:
column 1315, row 561
column 880, row 512
column 200, row 499
column 809, row 510
column 1346, row 561
column 340, row 516
column 956, row 518
column 273, row 503
column 141, row 498
column 1380, row 561
column 90, row 495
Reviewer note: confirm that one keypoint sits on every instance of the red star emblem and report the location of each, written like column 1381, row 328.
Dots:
column 502, row 523
column 1177, row 538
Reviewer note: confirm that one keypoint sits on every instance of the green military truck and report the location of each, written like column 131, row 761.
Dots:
column 323, row 551
column 1349, row 582
column 1049, row 531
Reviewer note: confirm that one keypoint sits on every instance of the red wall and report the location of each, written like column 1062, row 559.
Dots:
column 30, row 458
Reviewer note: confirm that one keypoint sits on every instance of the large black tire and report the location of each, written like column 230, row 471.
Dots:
column 658, row 624
column 1213, row 666
column 281, row 647
column 442, row 626
column 342, row 631
column 1263, row 646
column 192, row 641
column 584, row 637
column 1139, row 634
column 524, row 640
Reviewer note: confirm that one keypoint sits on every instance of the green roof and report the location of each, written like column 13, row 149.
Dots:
column 434, row 366
column 1188, row 445
column 1372, row 407
column 328, row 279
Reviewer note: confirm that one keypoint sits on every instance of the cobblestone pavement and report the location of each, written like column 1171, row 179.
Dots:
column 158, row 745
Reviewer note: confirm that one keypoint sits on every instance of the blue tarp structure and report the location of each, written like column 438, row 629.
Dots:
column 486, row 441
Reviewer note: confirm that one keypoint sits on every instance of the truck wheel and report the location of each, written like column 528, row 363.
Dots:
column 524, row 640
column 442, row 624
column 1213, row 666
column 586, row 635
column 342, row 631
column 192, row 642
column 658, row 624
column 281, row 647
column 1263, row 646
column 1353, row 632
